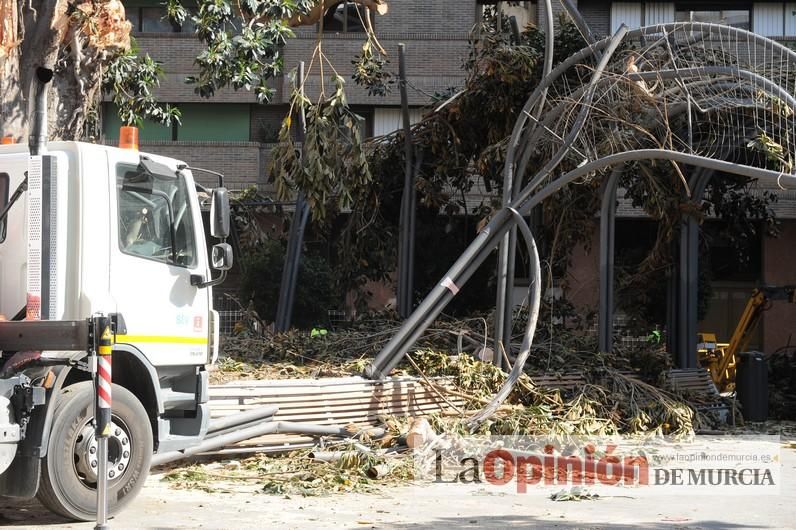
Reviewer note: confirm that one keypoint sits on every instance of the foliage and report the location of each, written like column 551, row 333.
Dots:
column 242, row 42
column 654, row 188
column 296, row 473
column 130, row 79
column 569, row 221
column 609, row 403
column 242, row 48
column 457, row 150
column 263, row 276
column 332, row 168
column 248, row 209
column 370, row 70
column 744, row 213
column 616, row 394
column 773, row 151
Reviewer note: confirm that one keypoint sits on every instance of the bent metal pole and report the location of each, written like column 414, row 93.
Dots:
column 486, row 241
column 483, row 244
column 489, row 237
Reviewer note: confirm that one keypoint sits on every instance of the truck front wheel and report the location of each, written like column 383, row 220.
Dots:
column 69, row 471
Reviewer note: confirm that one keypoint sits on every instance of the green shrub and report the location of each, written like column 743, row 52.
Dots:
column 262, row 277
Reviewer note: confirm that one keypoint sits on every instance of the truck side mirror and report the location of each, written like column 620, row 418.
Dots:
column 221, row 258
column 219, row 215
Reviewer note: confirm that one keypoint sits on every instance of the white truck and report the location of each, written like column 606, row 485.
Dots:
column 89, row 229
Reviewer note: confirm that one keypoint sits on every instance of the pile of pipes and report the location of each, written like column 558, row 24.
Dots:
column 283, row 415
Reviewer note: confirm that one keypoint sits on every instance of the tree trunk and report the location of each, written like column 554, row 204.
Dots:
column 12, row 112
column 72, row 37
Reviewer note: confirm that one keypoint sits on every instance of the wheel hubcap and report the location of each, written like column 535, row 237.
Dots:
column 86, row 452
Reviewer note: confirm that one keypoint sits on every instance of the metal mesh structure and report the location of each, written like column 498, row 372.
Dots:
column 692, row 92
column 690, row 95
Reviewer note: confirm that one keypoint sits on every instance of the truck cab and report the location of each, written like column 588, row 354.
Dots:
column 107, row 230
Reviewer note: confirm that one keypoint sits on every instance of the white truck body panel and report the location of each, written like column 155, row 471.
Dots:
column 167, row 319
column 111, row 233
column 171, row 323
column 13, row 257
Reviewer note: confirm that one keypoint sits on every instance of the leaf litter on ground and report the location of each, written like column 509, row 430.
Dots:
column 620, row 394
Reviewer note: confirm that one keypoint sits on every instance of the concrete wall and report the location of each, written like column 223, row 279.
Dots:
column 779, row 268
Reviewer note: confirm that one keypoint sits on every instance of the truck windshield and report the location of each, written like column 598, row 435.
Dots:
column 155, row 219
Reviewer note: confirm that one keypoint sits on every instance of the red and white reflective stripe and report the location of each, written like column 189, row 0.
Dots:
column 450, row 285
column 104, row 382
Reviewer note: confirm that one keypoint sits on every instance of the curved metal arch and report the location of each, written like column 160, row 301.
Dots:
column 508, row 247
column 535, row 103
column 684, row 73
column 528, row 197
column 605, row 313
column 600, row 45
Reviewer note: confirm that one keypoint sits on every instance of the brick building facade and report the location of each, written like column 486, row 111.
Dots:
column 233, row 134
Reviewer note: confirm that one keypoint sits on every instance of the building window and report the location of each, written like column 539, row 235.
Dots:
column 218, row 122
column 345, row 17
column 230, row 123
column 154, row 19
column 707, row 12
column 4, row 182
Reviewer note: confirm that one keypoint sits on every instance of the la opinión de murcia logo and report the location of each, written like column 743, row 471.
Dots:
column 677, row 466
column 502, row 466
column 714, row 477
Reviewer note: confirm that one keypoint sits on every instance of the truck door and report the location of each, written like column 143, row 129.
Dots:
column 157, row 244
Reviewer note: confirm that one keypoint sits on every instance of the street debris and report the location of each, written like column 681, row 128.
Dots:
column 573, row 494
column 565, row 390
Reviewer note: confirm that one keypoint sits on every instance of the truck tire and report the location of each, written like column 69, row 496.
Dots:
column 68, row 473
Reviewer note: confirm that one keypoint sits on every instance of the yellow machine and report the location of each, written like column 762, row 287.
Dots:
column 720, row 358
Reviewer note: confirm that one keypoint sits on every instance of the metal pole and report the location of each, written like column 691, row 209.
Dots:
column 512, row 185
column 103, row 340
column 489, row 237
column 607, row 239
column 37, row 141
column 261, row 429
column 287, row 287
column 237, row 420
column 672, row 297
column 406, row 228
column 516, row 37
column 689, row 277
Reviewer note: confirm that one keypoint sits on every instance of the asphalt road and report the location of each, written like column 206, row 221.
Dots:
column 159, row 506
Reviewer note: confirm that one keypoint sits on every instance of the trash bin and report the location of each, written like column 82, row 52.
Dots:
column 751, row 385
